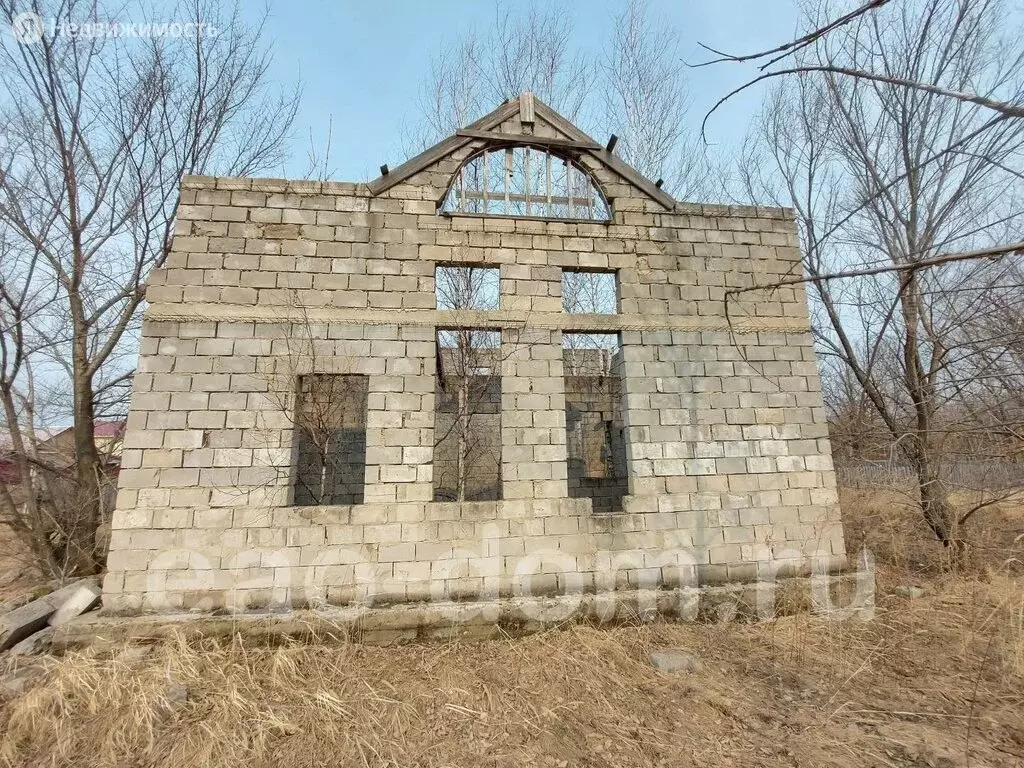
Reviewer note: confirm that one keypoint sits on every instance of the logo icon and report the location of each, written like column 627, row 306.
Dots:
column 27, row 27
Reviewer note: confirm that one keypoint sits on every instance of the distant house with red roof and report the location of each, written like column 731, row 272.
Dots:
column 56, row 448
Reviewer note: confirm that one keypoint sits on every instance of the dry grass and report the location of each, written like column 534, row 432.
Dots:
column 887, row 522
column 936, row 681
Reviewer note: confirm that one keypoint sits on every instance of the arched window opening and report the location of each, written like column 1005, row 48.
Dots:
column 525, row 181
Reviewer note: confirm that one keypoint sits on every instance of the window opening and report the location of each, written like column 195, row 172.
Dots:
column 525, row 181
column 595, row 435
column 467, row 421
column 590, row 293
column 330, row 430
column 466, row 288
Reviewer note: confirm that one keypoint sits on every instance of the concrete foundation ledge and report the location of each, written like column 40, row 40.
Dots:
column 836, row 596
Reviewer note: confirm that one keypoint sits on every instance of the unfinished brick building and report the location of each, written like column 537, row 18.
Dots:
column 504, row 367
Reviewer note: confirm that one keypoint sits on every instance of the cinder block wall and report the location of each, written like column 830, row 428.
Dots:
column 728, row 461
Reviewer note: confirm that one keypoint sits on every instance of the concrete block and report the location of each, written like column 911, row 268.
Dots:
column 84, row 598
column 34, row 644
column 22, row 622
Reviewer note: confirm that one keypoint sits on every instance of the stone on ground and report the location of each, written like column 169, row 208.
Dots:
column 25, row 620
column 59, row 596
column 15, row 602
column 33, row 645
column 18, row 682
column 18, row 624
column 135, row 653
column 84, row 598
column 675, row 661
column 910, row 592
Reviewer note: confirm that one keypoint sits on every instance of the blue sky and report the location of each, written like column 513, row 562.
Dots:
column 364, row 62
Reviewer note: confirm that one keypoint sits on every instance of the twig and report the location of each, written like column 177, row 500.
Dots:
column 1004, row 108
column 949, row 258
column 788, row 49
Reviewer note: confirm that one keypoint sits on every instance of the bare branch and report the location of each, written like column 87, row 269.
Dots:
column 791, row 47
column 1004, row 108
column 948, row 258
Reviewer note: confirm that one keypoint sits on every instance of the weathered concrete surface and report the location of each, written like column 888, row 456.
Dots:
column 34, row 644
column 675, row 661
column 22, row 622
column 17, row 682
column 85, row 597
column 30, row 617
column 59, row 596
column 444, row 621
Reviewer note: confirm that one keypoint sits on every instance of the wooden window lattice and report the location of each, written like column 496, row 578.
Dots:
column 525, row 181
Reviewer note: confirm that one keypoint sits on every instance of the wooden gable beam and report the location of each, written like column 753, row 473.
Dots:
column 481, row 130
column 526, row 108
column 441, row 150
column 623, row 169
column 520, row 139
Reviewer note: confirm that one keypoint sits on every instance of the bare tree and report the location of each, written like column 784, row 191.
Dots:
column 318, row 156
column 862, row 19
column 646, row 102
column 636, row 88
column 95, row 134
column 905, row 189
column 313, row 393
column 467, row 445
column 517, row 53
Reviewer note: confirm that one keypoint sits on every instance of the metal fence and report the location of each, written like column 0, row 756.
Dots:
column 990, row 475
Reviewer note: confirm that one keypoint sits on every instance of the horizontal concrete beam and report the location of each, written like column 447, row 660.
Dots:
column 848, row 594
column 496, row 319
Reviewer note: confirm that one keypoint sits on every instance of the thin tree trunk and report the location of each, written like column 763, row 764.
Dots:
column 462, row 464
column 935, row 506
column 88, row 467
